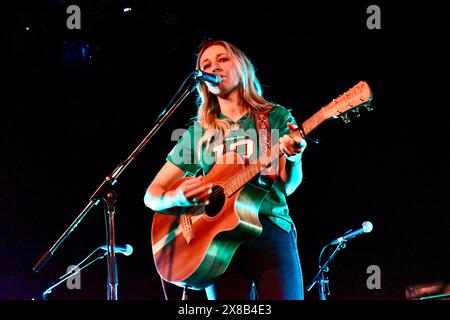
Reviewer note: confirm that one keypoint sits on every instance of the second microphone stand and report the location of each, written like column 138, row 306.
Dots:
column 324, row 282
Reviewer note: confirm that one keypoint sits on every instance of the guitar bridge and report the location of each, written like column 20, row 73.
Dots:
column 186, row 224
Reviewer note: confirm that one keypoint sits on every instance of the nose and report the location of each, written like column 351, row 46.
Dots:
column 215, row 69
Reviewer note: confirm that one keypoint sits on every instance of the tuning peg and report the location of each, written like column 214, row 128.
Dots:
column 356, row 112
column 345, row 118
column 369, row 108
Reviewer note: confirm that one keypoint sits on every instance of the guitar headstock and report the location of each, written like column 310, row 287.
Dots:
column 355, row 98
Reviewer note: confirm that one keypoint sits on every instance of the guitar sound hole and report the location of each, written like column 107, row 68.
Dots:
column 216, row 201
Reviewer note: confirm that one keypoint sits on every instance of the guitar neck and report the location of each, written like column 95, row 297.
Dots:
column 240, row 179
column 315, row 121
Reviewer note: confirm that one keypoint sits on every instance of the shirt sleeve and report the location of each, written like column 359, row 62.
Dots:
column 184, row 153
column 279, row 119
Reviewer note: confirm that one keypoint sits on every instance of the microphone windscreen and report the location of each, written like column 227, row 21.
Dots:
column 129, row 250
column 367, row 226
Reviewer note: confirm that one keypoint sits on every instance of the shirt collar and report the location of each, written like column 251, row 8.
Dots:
column 245, row 116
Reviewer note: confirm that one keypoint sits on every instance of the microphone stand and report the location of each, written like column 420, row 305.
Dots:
column 324, row 282
column 105, row 192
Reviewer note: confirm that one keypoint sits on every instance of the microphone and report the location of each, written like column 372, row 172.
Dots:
column 125, row 250
column 367, row 227
column 213, row 79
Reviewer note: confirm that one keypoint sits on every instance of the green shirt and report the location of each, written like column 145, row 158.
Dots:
column 243, row 140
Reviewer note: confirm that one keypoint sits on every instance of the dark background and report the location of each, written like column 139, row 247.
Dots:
column 79, row 101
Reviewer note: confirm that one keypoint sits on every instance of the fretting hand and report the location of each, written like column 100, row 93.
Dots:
column 292, row 147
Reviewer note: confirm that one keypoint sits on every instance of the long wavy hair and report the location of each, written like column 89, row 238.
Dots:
column 249, row 87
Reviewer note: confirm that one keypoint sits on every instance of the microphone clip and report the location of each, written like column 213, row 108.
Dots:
column 213, row 79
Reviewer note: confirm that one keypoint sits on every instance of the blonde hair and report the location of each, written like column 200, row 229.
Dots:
column 249, row 87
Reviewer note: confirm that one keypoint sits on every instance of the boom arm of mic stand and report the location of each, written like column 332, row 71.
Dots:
column 49, row 253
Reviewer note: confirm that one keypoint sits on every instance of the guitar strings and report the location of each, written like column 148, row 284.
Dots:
column 234, row 178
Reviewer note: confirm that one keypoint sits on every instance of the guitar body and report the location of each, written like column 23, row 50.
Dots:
column 217, row 230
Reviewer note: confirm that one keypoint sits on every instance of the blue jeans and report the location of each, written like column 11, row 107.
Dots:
column 266, row 268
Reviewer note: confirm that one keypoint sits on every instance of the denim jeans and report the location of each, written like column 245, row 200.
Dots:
column 265, row 268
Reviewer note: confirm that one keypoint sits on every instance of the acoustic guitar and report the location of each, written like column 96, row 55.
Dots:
column 192, row 249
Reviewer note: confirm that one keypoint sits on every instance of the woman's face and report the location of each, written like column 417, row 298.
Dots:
column 215, row 59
